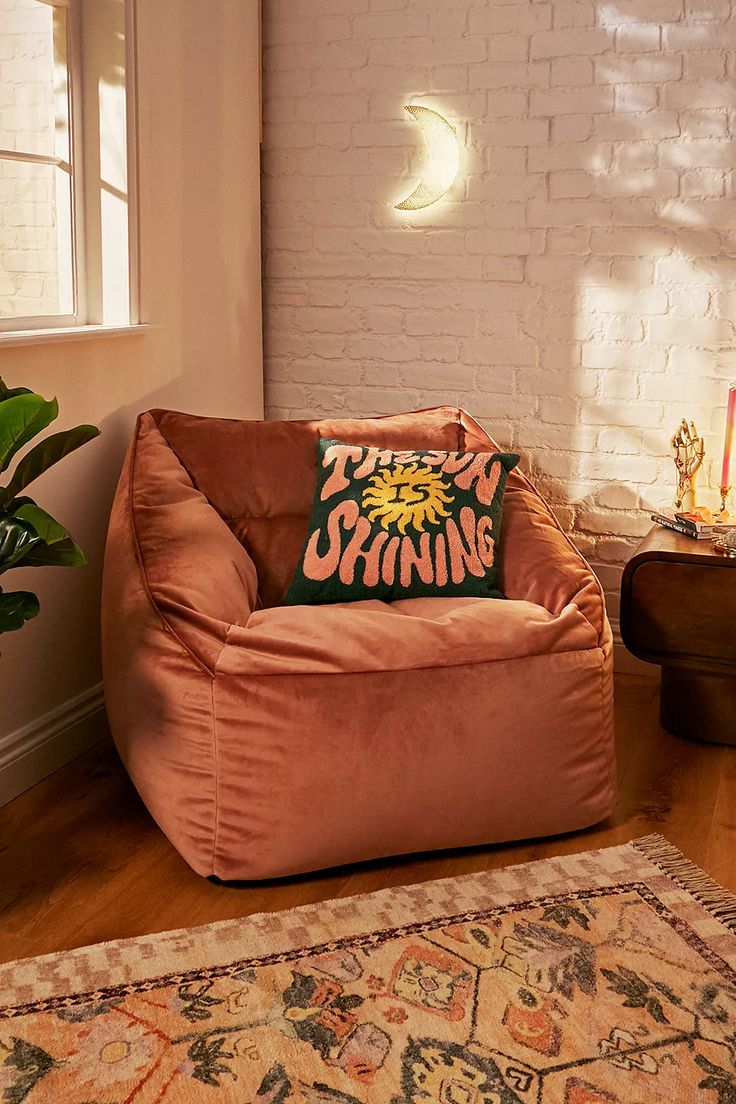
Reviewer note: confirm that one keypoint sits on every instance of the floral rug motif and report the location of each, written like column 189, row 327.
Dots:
column 602, row 978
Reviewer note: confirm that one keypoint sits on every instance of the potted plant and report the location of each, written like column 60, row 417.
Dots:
column 29, row 537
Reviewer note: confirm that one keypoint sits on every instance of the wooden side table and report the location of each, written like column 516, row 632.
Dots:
column 678, row 609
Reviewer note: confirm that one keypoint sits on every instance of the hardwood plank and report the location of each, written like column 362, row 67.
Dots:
column 81, row 861
column 719, row 846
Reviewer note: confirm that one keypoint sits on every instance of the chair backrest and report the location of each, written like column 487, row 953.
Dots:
column 260, row 476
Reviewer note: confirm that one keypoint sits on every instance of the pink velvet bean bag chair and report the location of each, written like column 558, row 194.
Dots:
column 268, row 739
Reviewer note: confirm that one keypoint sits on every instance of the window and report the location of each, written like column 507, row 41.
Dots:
column 67, row 228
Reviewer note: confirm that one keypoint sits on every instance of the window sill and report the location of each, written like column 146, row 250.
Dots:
column 69, row 333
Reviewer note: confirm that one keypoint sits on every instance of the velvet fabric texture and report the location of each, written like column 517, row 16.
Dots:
column 409, row 524
column 269, row 739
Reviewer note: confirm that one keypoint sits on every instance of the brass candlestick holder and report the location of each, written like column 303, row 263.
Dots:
column 689, row 448
column 723, row 515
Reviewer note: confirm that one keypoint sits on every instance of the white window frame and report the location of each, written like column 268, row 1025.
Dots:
column 86, row 272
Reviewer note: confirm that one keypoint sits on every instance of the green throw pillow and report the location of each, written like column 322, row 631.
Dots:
column 410, row 524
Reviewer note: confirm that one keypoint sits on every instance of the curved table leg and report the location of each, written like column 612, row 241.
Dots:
column 699, row 706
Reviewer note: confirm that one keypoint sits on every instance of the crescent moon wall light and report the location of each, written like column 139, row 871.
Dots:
column 442, row 163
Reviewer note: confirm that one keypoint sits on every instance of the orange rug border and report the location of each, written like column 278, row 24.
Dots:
column 83, row 974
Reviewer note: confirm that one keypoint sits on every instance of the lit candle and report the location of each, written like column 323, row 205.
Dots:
column 728, row 442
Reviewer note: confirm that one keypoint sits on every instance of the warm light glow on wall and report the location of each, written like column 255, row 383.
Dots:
column 443, row 159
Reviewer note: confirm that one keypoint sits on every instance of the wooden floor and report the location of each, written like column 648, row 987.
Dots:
column 81, row 861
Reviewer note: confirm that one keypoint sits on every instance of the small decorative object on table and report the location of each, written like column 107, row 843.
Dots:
column 725, row 544
column 689, row 450
column 690, row 525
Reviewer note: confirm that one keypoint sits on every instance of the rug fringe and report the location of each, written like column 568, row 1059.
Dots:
column 719, row 902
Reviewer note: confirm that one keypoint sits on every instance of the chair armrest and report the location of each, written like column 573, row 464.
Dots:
column 197, row 575
column 540, row 563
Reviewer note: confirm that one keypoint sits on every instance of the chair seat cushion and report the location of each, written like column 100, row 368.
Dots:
column 402, row 524
column 405, row 635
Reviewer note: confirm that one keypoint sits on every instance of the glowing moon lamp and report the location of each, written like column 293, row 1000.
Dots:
column 442, row 163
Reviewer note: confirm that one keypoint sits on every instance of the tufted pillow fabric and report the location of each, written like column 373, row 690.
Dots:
column 409, row 524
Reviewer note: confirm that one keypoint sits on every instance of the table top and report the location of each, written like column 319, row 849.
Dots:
column 665, row 544
column 677, row 608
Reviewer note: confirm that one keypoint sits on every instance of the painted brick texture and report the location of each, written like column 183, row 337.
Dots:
column 575, row 290
column 29, row 282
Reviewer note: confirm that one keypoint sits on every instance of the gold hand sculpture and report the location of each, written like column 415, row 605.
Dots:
column 689, row 450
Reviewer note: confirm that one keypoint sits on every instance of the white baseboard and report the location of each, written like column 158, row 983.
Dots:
column 624, row 663
column 42, row 746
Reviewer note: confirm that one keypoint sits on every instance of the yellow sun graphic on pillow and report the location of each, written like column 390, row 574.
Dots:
column 407, row 494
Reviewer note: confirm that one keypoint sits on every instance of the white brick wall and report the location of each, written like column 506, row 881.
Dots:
column 28, row 239
column 575, row 291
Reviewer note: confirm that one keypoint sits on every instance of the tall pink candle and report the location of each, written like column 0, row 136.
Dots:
column 728, row 443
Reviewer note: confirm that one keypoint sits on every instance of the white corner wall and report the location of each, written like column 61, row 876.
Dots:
column 199, row 124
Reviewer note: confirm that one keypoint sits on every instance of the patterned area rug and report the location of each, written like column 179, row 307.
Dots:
column 593, row 979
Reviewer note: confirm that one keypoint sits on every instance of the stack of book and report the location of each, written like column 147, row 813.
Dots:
column 691, row 525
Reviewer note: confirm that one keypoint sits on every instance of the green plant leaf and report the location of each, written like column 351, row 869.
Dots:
column 21, row 418
column 9, row 392
column 44, row 455
column 16, row 608
column 56, row 547
column 17, row 538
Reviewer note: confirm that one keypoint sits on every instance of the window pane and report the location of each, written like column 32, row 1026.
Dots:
column 36, row 277
column 33, row 77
